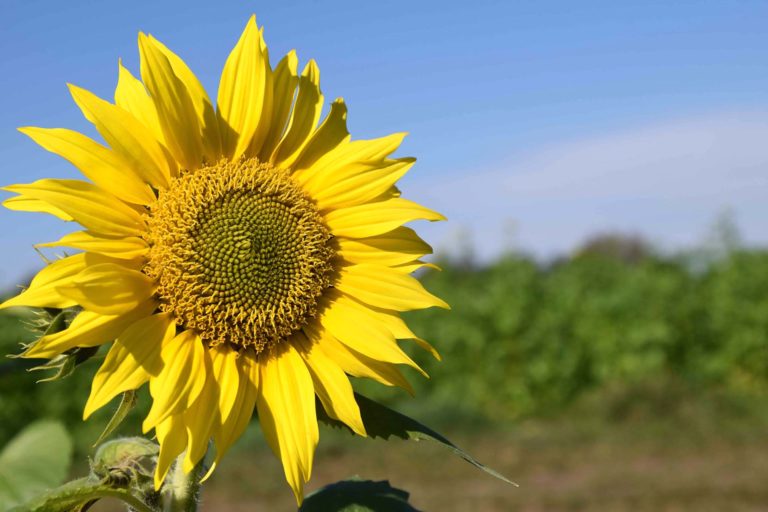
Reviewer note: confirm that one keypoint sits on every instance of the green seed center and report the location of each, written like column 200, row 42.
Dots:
column 240, row 254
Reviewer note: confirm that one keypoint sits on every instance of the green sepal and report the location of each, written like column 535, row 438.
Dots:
column 381, row 421
column 60, row 320
column 127, row 403
column 43, row 322
column 357, row 495
column 47, row 321
column 65, row 363
column 50, row 321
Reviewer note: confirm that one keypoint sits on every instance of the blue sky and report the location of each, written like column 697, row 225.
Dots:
column 535, row 123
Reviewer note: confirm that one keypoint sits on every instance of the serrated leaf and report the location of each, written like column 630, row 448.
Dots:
column 74, row 496
column 381, row 421
column 126, row 404
column 35, row 460
column 356, row 495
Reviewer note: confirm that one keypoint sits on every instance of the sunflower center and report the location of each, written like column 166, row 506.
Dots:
column 239, row 253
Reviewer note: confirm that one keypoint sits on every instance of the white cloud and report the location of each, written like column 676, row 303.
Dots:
column 666, row 181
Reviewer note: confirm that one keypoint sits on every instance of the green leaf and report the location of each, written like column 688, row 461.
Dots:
column 36, row 459
column 126, row 404
column 356, row 495
column 77, row 495
column 381, row 421
column 116, row 473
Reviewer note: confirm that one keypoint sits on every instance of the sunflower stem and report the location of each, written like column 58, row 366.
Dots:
column 185, row 487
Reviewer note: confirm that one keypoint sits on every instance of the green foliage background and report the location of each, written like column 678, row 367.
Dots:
column 522, row 338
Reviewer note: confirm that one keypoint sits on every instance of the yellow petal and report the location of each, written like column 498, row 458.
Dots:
column 93, row 258
column 352, row 324
column 243, row 370
column 108, row 288
column 206, row 114
column 201, row 417
column 128, row 137
column 392, row 320
column 89, row 205
column 399, row 329
column 48, row 297
column 42, row 291
column 121, row 248
column 132, row 360
column 28, row 204
column 331, row 384
column 373, row 219
column 175, row 110
column 99, row 164
column 392, row 193
column 355, row 363
column 132, row 96
column 89, row 329
column 358, row 188
column 227, row 375
column 385, row 288
column 178, row 385
column 401, row 245
column 306, row 113
column 347, row 160
column 284, row 81
column 426, row 346
column 410, row 268
column 59, row 269
column 245, row 95
column 331, row 133
column 286, row 405
column 172, row 436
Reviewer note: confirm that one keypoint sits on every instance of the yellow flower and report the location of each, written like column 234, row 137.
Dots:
column 237, row 258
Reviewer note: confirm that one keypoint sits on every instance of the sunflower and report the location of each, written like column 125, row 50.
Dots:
column 237, row 258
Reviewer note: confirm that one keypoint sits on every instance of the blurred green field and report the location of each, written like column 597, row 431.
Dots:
column 616, row 379
column 659, row 447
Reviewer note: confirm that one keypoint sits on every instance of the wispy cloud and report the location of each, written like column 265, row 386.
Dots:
column 666, row 181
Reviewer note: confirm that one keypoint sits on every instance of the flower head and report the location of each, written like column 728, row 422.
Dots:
column 236, row 257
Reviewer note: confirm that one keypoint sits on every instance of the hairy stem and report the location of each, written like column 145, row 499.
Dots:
column 184, row 487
